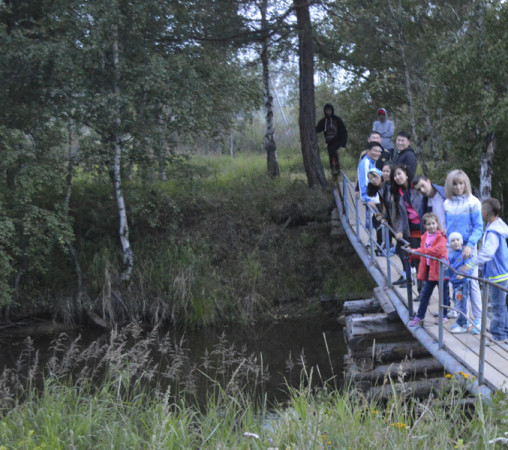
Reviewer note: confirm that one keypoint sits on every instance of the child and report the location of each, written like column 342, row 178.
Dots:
column 375, row 177
column 434, row 244
column 461, row 285
column 494, row 257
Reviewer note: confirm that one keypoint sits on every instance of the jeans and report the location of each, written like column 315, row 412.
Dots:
column 499, row 322
column 463, row 290
column 428, row 288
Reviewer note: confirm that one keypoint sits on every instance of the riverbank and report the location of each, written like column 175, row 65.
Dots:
column 217, row 242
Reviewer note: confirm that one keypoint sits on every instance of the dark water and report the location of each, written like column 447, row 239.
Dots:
column 285, row 347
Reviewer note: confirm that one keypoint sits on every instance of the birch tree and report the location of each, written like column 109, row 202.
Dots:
column 272, row 164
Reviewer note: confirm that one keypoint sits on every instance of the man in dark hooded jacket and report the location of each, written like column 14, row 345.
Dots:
column 335, row 134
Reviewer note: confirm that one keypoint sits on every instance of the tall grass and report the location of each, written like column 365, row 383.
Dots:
column 116, row 394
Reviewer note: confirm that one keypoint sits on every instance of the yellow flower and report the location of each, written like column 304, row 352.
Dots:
column 400, row 426
column 374, row 411
column 448, row 375
column 31, row 433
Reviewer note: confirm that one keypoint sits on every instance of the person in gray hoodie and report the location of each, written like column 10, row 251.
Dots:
column 494, row 257
column 385, row 128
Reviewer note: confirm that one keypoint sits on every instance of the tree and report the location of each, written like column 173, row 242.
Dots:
column 307, row 116
column 471, row 68
column 272, row 164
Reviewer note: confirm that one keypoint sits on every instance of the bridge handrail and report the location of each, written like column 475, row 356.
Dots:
column 442, row 263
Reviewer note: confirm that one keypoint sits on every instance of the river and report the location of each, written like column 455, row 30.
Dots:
column 290, row 350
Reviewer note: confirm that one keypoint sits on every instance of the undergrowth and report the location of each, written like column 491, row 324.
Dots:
column 217, row 241
column 118, row 394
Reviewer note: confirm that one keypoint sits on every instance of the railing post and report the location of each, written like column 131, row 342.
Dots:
column 345, row 196
column 387, row 253
column 409, row 284
column 441, row 300
column 481, row 366
column 369, row 227
column 357, row 203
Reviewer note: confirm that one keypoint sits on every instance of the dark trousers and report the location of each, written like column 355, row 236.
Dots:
column 404, row 256
column 428, row 288
column 333, row 154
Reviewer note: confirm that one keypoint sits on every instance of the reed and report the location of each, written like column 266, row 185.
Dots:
column 136, row 389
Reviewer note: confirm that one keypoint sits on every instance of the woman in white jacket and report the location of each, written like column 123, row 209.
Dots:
column 463, row 212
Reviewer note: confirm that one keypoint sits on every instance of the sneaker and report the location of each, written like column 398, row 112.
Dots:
column 379, row 252
column 477, row 323
column 452, row 314
column 416, row 321
column 492, row 342
column 458, row 329
column 392, row 251
column 400, row 281
column 445, row 319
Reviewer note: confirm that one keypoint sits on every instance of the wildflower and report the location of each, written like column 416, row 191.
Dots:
column 448, row 375
column 374, row 411
column 251, row 435
column 466, row 375
column 399, row 425
column 31, row 433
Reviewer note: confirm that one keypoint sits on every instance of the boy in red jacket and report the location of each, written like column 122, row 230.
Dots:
column 434, row 244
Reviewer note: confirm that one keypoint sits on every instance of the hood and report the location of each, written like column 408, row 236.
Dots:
column 499, row 227
column 329, row 105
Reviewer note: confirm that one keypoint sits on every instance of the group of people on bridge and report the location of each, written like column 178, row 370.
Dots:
column 444, row 222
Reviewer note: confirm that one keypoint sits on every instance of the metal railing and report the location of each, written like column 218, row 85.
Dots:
column 351, row 205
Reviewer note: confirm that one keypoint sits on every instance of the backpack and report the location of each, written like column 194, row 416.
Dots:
column 330, row 130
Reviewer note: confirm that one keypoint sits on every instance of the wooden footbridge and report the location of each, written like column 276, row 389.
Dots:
column 485, row 367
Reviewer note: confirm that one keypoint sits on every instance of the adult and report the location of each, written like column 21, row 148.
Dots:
column 433, row 199
column 385, row 156
column 494, row 256
column 405, row 154
column 367, row 163
column 404, row 207
column 386, row 129
column 335, row 134
column 463, row 215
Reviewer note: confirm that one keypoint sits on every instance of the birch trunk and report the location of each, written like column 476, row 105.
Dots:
column 272, row 165
column 489, row 140
column 72, row 249
column 486, row 157
column 128, row 256
column 307, row 119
